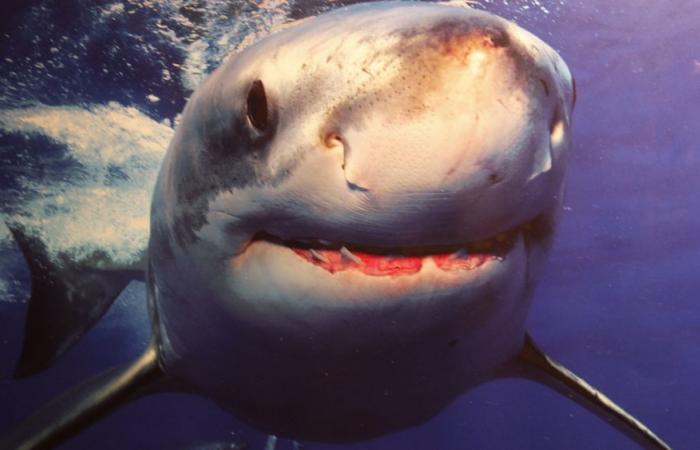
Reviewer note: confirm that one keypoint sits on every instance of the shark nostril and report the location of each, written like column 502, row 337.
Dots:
column 556, row 133
column 495, row 177
column 333, row 140
column 353, row 175
column 557, row 129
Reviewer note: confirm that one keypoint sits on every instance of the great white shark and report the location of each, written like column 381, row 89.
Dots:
column 346, row 232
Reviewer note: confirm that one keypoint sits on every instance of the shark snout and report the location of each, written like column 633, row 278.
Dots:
column 482, row 121
column 445, row 129
column 462, row 157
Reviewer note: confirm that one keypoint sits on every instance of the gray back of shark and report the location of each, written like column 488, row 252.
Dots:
column 348, row 226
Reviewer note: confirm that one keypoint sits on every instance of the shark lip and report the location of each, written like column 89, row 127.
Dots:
column 384, row 261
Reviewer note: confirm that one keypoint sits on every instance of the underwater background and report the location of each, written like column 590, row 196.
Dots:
column 90, row 92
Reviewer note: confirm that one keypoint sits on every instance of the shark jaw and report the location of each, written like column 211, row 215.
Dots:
column 377, row 261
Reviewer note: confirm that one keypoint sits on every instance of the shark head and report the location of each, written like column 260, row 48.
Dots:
column 350, row 219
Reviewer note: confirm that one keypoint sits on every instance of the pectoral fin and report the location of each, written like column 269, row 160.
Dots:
column 66, row 301
column 83, row 405
column 533, row 364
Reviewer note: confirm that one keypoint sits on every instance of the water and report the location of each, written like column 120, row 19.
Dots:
column 618, row 303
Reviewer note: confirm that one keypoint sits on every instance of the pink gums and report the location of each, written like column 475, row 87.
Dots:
column 383, row 265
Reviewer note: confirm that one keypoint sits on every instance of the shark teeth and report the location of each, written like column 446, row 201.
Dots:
column 459, row 254
column 319, row 256
column 350, row 255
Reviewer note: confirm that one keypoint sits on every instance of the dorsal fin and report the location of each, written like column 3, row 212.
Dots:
column 66, row 301
column 534, row 364
column 83, row 405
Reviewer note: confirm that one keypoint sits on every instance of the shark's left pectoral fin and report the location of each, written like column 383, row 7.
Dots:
column 534, row 364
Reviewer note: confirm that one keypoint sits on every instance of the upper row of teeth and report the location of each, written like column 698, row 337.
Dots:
column 477, row 246
column 344, row 252
column 351, row 257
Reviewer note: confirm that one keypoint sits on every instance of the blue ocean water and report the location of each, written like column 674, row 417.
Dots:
column 617, row 304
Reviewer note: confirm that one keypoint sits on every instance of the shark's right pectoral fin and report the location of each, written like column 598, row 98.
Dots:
column 66, row 301
column 534, row 364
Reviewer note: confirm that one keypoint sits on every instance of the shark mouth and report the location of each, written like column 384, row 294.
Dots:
column 378, row 261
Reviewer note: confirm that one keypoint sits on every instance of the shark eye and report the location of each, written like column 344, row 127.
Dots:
column 256, row 106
